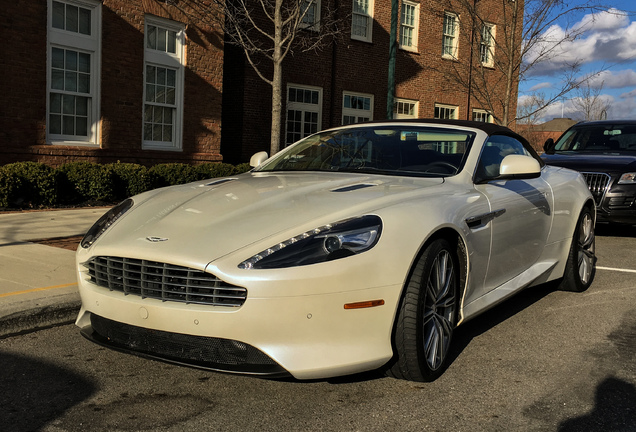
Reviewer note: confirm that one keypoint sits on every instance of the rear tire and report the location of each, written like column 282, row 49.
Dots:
column 581, row 265
column 427, row 315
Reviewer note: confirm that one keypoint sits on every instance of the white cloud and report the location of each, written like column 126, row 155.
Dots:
column 540, row 86
column 610, row 80
column 605, row 20
column 607, row 36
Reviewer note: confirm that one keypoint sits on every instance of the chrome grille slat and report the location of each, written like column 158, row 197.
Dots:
column 166, row 282
column 598, row 183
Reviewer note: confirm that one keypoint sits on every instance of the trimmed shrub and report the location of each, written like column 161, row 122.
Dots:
column 172, row 174
column 241, row 168
column 214, row 169
column 10, row 186
column 129, row 179
column 86, row 181
column 28, row 184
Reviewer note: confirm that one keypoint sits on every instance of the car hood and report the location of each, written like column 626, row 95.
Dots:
column 204, row 221
column 592, row 162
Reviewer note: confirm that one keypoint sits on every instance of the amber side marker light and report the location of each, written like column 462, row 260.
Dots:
column 364, row 304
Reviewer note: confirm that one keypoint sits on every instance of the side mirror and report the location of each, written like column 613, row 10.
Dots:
column 258, row 158
column 548, row 146
column 519, row 167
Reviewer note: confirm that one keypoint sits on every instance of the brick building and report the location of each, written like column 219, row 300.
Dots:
column 146, row 81
column 107, row 81
column 347, row 81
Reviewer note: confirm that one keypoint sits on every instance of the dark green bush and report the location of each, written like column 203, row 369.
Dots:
column 10, row 186
column 214, row 169
column 86, row 181
column 129, row 179
column 241, row 168
column 172, row 174
column 28, row 184
column 31, row 184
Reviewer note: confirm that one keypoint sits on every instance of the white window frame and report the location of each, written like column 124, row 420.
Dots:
column 314, row 24
column 487, row 47
column 81, row 43
column 484, row 116
column 357, row 15
column 414, row 27
column 360, row 114
column 304, row 108
column 452, row 108
column 454, row 36
column 414, row 106
column 166, row 60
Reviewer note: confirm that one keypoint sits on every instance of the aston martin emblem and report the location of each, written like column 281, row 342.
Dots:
column 156, row 239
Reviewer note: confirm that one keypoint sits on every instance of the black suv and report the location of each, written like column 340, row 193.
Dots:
column 605, row 153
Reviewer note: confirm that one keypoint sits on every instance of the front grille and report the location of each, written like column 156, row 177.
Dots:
column 199, row 351
column 167, row 282
column 598, row 184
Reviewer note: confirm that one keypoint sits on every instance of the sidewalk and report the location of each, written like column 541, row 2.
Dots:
column 38, row 286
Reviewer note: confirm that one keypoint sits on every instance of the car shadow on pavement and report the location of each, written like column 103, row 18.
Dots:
column 35, row 393
column 614, row 409
column 465, row 333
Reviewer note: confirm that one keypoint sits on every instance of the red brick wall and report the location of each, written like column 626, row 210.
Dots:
column 23, row 68
column 362, row 67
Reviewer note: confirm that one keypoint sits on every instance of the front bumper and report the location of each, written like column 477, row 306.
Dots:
column 197, row 351
column 618, row 205
column 307, row 336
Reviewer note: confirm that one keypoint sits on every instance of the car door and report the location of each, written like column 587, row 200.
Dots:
column 520, row 213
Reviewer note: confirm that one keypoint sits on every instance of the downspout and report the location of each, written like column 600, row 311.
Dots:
column 390, row 96
column 332, row 103
column 470, row 64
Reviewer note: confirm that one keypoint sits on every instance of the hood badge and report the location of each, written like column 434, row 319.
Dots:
column 154, row 239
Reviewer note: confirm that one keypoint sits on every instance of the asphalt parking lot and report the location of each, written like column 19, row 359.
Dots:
column 543, row 361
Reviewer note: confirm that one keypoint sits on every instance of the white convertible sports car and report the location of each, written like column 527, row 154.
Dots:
column 357, row 248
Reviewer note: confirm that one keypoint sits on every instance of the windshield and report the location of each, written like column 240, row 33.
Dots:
column 598, row 139
column 393, row 150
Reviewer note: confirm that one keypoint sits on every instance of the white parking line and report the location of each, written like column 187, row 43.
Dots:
column 616, row 269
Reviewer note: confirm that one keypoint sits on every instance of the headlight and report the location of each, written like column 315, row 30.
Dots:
column 329, row 242
column 105, row 221
column 628, row 178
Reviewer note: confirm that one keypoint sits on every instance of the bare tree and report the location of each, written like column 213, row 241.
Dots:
column 590, row 103
column 524, row 40
column 268, row 31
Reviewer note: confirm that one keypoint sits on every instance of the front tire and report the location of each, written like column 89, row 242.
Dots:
column 581, row 265
column 427, row 315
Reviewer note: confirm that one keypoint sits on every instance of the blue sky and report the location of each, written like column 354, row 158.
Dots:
column 606, row 45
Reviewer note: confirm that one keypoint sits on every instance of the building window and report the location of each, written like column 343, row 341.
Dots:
column 482, row 116
column 311, row 9
column 450, row 33
column 487, row 44
column 446, row 111
column 303, row 112
column 409, row 25
column 356, row 108
column 163, row 90
column 362, row 20
column 72, row 72
column 405, row 109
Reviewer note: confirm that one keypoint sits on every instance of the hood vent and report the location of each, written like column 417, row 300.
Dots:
column 353, row 187
column 218, row 182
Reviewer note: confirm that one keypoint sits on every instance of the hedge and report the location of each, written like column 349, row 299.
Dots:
column 36, row 185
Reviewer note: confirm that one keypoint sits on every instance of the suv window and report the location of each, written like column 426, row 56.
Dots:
column 598, row 138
